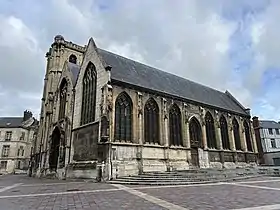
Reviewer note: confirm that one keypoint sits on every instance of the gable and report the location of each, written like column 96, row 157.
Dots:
column 134, row 73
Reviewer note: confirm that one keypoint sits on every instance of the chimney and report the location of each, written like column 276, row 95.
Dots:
column 27, row 115
column 256, row 122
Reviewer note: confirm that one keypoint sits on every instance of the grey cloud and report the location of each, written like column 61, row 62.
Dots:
column 188, row 38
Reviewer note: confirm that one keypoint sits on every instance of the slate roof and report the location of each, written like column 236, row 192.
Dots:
column 15, row 122
column 10, row 122
column 138, row 74
column 74, row 69
column 269, row 124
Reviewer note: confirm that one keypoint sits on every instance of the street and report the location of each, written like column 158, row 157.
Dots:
column 22, row 192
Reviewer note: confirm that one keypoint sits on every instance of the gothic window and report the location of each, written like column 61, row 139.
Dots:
column 175, row 126
column 73, row 59
column 236, row 134
column 123, row 118
column 89, row 95
column 62, row 99
column 210, row 131
column 195, row 133
column 247, row 136
column 151, row 121
column 224, row 133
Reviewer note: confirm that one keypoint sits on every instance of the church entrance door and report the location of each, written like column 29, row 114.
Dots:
column 195, row 140
column 54, row 149
column 194, row 156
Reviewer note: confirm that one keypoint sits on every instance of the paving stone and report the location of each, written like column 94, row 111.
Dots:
column 221, row 196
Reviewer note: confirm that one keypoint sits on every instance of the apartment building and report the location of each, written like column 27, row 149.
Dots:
column 268, row 140
column 17, row 135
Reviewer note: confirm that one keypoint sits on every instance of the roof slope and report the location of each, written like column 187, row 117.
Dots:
column 135, row 73
column 13, row 122
column 269, row 124
column 17, row 122
column 74, row 69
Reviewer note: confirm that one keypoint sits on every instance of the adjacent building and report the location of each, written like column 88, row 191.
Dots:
column 17, row 135
column 268, row 139
column 102, row 109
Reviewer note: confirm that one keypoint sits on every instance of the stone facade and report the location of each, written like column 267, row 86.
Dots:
column 17, row 135
column 93, row 150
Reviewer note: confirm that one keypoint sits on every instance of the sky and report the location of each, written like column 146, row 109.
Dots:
column 228, row 45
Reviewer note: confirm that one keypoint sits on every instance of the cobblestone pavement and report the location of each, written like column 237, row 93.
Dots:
column 21, row 192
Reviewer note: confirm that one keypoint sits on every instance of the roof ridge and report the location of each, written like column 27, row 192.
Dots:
column 157, row 69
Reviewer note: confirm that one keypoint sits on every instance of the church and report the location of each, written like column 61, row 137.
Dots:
column 107, row 116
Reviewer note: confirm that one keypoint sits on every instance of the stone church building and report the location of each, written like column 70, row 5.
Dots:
column 104, row 115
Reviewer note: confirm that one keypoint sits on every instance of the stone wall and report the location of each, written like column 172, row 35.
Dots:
column 138, row 156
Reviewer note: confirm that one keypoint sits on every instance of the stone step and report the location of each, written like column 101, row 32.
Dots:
column 140, row 178
column 165, row 180
column 173, row 177
column 183, row 175
column 133, row 182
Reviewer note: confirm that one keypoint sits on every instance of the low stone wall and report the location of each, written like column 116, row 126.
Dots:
column 82, row 170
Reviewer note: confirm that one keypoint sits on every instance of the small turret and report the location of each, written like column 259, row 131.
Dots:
column 27, row 115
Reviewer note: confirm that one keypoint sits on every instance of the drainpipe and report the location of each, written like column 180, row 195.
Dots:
column 72, row 117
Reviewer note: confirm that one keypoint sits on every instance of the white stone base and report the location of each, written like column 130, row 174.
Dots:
column 178, row 165
column 154, row 165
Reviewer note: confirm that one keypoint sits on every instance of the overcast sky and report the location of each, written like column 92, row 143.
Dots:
column 223, row 44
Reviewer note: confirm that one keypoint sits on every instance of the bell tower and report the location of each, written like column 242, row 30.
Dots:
column 59, row 52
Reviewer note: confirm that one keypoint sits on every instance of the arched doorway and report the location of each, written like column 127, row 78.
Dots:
column 195, row 139
column 54, row 149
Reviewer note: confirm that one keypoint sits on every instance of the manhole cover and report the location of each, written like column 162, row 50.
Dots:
column 15, row 191
column 71, row 190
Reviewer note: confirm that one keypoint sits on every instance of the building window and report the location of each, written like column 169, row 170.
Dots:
column 20, row 151
column 270, row 131
column 62, row 99
column 151, row 121
column 273, row 143
column 210, row 131
column 89, row 95
column 8, row 136
column 236, row 134
column 5, row 151
column 73, row 59
column 123, row 118
column 195, row 133
column 175, row 126
column 224, row 133
column 18, row 164
column 247, row 136
column 277, row 131
column 3, row 165
column 22, row 136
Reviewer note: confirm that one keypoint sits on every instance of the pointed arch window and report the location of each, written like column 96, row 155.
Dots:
column 151, row 121
column 247, row 136
column 210, row 131
column 236, row 134
column 175, row 126
column 195, row 133
column 62, row 99
column 224, row 133
column 123, row 118
column 73, row 59
column 89, row 95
